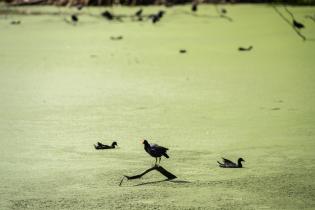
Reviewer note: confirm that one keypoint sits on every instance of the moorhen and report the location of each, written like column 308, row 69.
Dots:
column 155, row 150
column 229, row 164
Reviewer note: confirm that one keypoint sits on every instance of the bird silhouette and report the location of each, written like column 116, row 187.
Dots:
column 74, row 18
column 229, row 164
column 297, row 24
column 161, row 13
column 116, row 37
column 139, row 13
column 155, row 150
column 182, row 51
column 103, row 146
column 80, row 6
column 245, row 49
column 194, row 7
column 157, row 17
column 106, row 14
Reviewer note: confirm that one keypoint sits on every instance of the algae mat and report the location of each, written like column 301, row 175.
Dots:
column 64, row 87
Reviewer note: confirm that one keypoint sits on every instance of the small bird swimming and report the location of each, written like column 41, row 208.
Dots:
column 116, row 37
column 155, row 150
column 297, row 24
column 229, row 164
column 245, row 49
column 103, row 146
column 182, row 51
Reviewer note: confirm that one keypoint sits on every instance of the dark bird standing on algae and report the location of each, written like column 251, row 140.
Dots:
column 103, row 146
column 106, row 14
column 139, row 13
column 74, row 19
column 229, row 164
column 157, row 17
column 194, row 7
column 155, row 150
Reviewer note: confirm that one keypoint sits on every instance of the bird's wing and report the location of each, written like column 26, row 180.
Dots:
column 155, row 146
column 228, row 162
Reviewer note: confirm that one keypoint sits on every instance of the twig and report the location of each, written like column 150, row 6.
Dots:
column 160, row 169
column 286, row 20
column 290, row 13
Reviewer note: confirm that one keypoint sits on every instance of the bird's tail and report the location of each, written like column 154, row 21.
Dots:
column 165, row 155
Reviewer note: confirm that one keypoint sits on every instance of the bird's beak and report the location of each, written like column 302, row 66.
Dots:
column 142, row 141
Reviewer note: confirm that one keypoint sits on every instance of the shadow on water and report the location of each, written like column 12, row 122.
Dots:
column 164, row 180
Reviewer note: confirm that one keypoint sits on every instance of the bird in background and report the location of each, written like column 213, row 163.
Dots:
column 139, row 13
column 223, row 11
column 297, row 24
column 15, row 22
column 108, row 15
column 80, row 6
column 103, row 146
column 74, row 19
column 155, row 151
column 229, row 164
column 245, row 49
column 194, row 6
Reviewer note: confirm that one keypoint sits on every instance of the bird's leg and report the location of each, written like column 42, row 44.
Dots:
column 155, row 161
column 159, row 160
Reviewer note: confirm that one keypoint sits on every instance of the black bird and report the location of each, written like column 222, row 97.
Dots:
column 229, row 164
column 116, row 37
column 245, row 49
column 74, row 18
column 155, row 150
column 194, row 7
column 108, row 15
column 161, row 13
column 182, row 51
column 298, row 25
column 139, row 13
column 15, row 22
column 103, row 146
column 157, row 17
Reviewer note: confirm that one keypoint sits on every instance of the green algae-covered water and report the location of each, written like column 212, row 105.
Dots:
column 65, row 87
